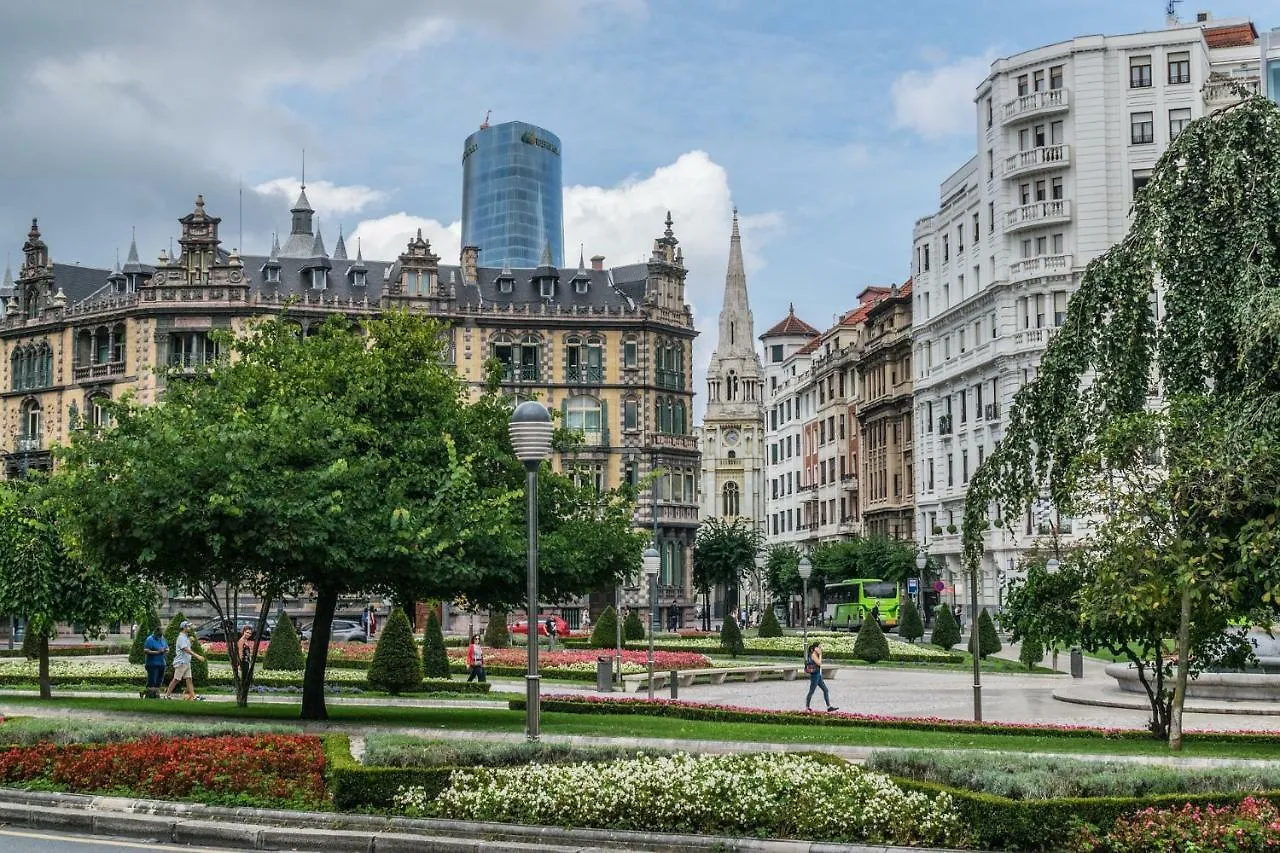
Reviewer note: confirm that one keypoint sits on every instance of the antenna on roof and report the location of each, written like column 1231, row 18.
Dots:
column 1171, row 10
column 485, row 124
column 240, row 227
column 304, row 168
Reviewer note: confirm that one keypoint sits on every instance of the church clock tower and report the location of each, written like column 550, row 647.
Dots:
column 732, row 434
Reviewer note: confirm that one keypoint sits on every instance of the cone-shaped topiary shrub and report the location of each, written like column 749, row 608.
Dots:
column 1031, row 653
column 396, row 666
column 988, row 639
column 632, row 627
column 910, row 626
column 435, row 660
column 871, row 646
column 199, row 668
column 731, row 637
column 30, row 644
column 496, row 635
column 605, row 633
column 146, row 627
column 285, row 649
column 769, row 626
column 946, row 633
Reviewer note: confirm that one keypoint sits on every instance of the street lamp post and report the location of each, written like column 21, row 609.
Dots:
column 805, row 569
column 652, row 562
column 922, row 562
column 1051, row 566
column 530, row 431
column 974, row 640
column 760, row 564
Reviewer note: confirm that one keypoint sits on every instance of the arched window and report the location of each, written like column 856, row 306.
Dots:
column 45, row 369
column 31, row 427
column 98, row 415
column 530, row 348
column 15, row 370
column 730, row 495
column 585, row 415
column 84, row 348
column 679, row 426
column 732, row 391
column 117, row 343
column 731, row 334
column 584, row 360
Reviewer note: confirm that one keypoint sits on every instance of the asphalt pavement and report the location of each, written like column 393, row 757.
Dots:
column 25, row 841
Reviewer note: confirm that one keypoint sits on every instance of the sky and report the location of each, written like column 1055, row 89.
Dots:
column 829, row 124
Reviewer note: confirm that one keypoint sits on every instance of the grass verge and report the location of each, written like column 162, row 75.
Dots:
column 635, row 726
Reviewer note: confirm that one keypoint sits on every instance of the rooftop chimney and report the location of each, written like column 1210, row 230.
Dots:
column 1203, row 17
column 597, row 262
column 470, row 255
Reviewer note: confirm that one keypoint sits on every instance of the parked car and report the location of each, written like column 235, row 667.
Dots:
column 521, row 627
column 341, row 631
column 213, row 631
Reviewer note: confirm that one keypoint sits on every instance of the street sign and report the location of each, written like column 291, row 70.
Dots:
column 913, row 586
column 939, row 586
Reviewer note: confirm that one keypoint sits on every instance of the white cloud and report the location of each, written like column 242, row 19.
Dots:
column 621, row 223
column 939, row 102
column 328, row 199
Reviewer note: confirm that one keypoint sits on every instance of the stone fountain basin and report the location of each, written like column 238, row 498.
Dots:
column 1237, row 686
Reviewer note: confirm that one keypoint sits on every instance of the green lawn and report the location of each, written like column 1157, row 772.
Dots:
column 498, row 719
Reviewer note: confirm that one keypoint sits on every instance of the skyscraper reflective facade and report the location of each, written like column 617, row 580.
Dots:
column 512, row 202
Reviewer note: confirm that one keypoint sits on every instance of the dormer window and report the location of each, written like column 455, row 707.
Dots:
column 504, row 285
column 548, row 288
column 319, row 278
column 580, row 285
column 273, row 275
column 360, row 278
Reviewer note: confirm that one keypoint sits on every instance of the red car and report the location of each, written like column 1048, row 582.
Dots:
column 521, row 627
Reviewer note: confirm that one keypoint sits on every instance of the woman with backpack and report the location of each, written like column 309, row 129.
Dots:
column 813, row 668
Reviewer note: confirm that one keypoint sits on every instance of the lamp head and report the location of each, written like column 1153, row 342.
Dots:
column 805, row 568
column 760, row 561
column 1052, row 565
column 530, row 431
column 652, row 562
column 921, row 561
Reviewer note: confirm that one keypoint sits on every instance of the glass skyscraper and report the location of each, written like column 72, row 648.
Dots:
column 512, row 202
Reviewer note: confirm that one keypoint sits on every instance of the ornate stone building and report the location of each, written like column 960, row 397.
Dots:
column 732, row 432
column 610, row 349
column 884, row 418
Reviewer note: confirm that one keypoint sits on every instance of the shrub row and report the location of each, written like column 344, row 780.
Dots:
column 830, row 656
column 87, row 650
column 355, row 787
column 732, row 714
column 438, row 685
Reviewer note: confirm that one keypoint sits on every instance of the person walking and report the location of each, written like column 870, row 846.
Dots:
column 183, row 653
column 475, row 660
column 155, row 648
column 813, row 668
column 244, row 650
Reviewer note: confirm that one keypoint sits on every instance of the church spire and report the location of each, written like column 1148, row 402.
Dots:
column 737, row 337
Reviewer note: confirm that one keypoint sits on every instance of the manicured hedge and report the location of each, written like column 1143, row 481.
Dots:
column 1003, row 824
column 436, row 685
column 355, row 787
column 733, row 714
column 72, row 651
column 829, row 656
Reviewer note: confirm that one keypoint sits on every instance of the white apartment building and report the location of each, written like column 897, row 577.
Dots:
column 788, row 349
column 1066, row 134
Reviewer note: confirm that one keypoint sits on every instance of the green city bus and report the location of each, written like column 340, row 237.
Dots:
column 849, row 602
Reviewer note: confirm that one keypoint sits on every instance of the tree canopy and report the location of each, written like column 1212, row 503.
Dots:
column 723, row 552
column 867, row 557
column 1183, row 312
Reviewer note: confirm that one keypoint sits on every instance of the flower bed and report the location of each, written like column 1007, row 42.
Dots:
column 775, row 795
column 74, row 651
column 251, row 770
column 1253, row 824
column 735, row 714
column 586, row 660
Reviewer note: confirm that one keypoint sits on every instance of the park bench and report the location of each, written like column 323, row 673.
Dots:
column 718, row 675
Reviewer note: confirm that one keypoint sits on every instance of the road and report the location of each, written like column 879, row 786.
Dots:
column 23, row 841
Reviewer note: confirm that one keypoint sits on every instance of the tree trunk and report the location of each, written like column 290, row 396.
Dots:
column 1180, row 678
column 313, row 707
column 244, row 680
column 46, row 691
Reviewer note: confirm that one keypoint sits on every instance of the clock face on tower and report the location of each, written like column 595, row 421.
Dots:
column 731, row 437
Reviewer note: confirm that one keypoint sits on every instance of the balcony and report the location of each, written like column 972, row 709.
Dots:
column 1034, row 337
column 1035, row 104
column 1041, row 267
column 24, row 443
column 1224, row 92
column 849, row 483
column 96, row 371
column 667, row 441
column 1037, row 213
column 584, row 374
column 807, row 487
column 519, row 373
column 1037, row 159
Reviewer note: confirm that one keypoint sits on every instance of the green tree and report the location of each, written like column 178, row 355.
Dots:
column 987, row 638
column 496, row 634
column 731, row 637
column 769, row 626
column 147, row 624
column 604, row 634
column 1031, row 652
column 874, row 557
column 44, row 580
column 946, row 633
column 871, row 645
column 31, row 644
column 1202, row 237
column 722, row 553
column 285, row 648
column 910, row 625
column 346, row 461
column 435, row 660
column 396, row 666
column 782, row 575
column 199, row 668
column 632, row 627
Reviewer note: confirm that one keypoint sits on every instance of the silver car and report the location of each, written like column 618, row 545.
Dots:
column 341, row 631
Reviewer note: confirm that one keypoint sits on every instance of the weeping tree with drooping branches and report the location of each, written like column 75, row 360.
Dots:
column 1157, row 405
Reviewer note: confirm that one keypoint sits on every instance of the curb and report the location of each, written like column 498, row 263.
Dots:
column 269, row 829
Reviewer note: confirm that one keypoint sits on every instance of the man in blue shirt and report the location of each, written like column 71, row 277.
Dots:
column 154, row 649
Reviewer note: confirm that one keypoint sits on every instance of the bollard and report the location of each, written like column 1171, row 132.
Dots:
column 604, row 674
column 675, row 685
column 1077, row 663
